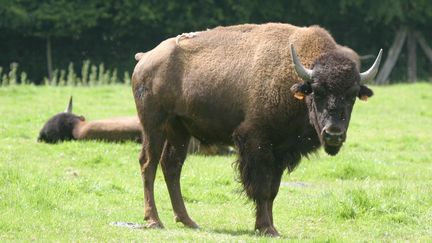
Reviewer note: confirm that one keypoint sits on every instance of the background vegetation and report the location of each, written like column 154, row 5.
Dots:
column 379, row 188
column 112, row 31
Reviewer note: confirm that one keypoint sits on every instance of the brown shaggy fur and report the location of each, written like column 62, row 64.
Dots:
column 232, row 85
column 114, row 129
column 351, row 54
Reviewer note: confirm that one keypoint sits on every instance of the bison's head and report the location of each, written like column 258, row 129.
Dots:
column 330, row 90
column 60, row 127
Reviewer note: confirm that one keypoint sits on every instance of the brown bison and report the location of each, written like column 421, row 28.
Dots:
column 68, row 126
column 276, row 91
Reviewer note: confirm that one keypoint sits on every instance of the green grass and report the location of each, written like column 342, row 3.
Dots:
column 379, row 188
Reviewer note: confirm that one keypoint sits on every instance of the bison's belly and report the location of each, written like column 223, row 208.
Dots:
column 209, row 132
column 211, row 122
column 210, row 113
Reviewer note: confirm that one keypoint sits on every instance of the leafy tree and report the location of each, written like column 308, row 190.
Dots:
column 50, row 19
column 122, row 27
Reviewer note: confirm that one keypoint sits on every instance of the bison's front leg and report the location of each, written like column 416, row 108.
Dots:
column 259, row 174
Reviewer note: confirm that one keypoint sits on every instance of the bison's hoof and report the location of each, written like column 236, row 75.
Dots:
column 268, row 231
column 192, row 225
column 187, row 222
column 154, row 225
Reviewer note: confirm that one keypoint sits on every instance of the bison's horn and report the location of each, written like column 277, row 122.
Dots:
column 372, row 72
column 69, row 107
column 302, row 71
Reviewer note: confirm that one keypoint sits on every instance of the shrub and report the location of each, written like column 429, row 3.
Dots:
column 90, row 75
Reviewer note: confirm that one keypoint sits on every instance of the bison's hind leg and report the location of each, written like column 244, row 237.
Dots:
column 149, row 159
column 173, row 157
column 154, row 136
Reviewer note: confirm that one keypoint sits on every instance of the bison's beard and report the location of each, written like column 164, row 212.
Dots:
column 331, row 150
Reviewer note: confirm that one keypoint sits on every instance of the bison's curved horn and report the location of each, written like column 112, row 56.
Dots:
column 302, row 71
column 372, row 72
column 69, row 107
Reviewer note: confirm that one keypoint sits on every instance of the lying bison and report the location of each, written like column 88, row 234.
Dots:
column 276, row 91
column 68, row 126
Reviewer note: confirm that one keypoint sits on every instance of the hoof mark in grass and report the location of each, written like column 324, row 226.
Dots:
column 127, row 225
column 294, row 184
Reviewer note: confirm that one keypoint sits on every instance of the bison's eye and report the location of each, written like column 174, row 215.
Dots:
column 319, row 94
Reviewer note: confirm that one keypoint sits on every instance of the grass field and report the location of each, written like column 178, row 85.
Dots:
column 379, row 188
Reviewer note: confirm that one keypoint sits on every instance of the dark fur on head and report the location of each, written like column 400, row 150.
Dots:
column 59, row 128
column 336, row 71
column 331, row 96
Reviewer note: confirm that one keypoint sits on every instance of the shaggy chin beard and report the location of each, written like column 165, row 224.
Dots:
column 332, row 150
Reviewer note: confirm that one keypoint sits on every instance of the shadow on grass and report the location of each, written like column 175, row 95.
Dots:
column 240, row 232
column 247, row 232
column 137, row 226
column 222, row 231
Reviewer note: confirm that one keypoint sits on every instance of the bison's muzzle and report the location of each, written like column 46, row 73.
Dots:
column 333, row 137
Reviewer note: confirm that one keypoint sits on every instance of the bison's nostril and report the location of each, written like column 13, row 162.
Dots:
column 327, row 135
column 333, row 135
column 333, row 131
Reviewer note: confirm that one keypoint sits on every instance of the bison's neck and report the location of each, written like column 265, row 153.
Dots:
column 297, row 145
column 115, row 129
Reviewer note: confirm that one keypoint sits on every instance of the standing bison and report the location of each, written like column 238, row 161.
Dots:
column 276, row 91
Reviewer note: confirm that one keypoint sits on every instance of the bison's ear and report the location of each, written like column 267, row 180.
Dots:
column 301, row 90
column 364, row 92
column 82, row 118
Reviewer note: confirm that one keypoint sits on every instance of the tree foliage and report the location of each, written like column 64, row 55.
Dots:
column 60, row 18
column 111, row 31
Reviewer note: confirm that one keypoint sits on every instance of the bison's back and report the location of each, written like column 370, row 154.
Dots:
column 238, row 60
column 351, row 54
column 114, row 129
